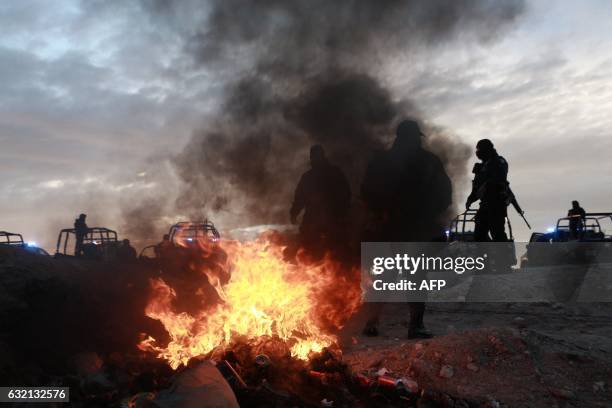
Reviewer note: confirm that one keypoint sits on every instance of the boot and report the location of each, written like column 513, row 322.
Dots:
column 419, row 333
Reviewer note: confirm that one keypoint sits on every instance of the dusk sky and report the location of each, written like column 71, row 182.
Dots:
column 96, row 95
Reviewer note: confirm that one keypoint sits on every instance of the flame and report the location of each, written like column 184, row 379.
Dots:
column 298, row 303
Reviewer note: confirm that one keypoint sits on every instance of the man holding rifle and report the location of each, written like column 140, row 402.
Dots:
column 491, row 187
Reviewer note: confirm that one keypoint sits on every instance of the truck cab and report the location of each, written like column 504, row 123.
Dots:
column 99, row 243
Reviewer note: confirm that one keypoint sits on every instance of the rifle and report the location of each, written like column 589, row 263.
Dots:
column 516, row 206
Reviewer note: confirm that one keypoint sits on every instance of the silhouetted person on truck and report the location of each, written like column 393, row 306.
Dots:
column 324, row 194
column 490, row 186
column 164, row 247
column 80, row 231
column 406, row 191
column 126, row 251
column 577, row 219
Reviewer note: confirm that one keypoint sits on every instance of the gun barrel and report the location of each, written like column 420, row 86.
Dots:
column 525, row 219
column 516, row 206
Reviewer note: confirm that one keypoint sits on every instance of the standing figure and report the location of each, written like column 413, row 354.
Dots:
column 324, row 194
column 164, row 247
column 490, row 186
column 577, row 219
column 406, row 191
column 126, row 251
column 80, row 231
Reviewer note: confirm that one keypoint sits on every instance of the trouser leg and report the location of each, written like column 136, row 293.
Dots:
column 481, row 230
column 497, row 225
column 373, row 312
column 417, row 311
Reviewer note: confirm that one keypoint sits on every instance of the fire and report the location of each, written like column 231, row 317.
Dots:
column 298, row 303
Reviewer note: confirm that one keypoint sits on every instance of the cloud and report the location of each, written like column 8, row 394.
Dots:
column 93, row 93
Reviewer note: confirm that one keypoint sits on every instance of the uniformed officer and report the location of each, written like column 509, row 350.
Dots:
column 490, row 186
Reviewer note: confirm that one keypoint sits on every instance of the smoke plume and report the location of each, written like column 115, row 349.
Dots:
column 295, row 73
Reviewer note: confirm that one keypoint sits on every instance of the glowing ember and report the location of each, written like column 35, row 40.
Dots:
column 265, row 296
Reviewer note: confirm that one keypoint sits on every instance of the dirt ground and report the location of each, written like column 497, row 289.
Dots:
column 496, row 354
column 482, row 355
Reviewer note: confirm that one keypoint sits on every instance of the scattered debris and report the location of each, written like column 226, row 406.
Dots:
column 599, row 386
column 200, row 386
column 407, row 384
column 383, row 371
column 262, row 360
column 446, row 371
column 327, row 403
column 563, row 393
column 520, row 322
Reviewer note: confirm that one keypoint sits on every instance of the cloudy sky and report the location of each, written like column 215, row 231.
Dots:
column 95, row 96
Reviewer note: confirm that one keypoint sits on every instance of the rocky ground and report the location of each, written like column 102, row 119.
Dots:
column 497, row 354
column 61, row 316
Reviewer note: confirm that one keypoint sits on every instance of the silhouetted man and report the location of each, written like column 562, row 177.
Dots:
column 324, row 194
column 126, row 251
column 490, row 186
column 164, row 247
column 407, row 190
column 80, row 231
column 577, row 219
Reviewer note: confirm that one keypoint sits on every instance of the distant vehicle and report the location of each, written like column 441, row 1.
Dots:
column 461, row 230
column 16, row 240
column 187, row 234
column 33, row 249
column 191, row 247
column 11, row 238
column 99, row 243
column 593, row 230
column 558, row 246
column 462, row 227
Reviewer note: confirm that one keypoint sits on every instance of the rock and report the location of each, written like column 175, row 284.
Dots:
column 491, row 403
column 408, row 384
column 562, row 393
column 418, row 346
column 599, row 386
column 87, row 363
column 558, row 306
column 141, row 400
column 461, row 404
column 201, row 386
column 431, row 399
column 520, row 321
column 472, row 367
column 446, row 371
column 98, row 383
column 327, row 403
column 382, row 371
column 376, row 363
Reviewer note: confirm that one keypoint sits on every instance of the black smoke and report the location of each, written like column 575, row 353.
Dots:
column 294, row 73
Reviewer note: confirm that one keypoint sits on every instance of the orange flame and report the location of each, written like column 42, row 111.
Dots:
column 266, row 296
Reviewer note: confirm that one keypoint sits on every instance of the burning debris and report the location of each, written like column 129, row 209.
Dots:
column 266, row 299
